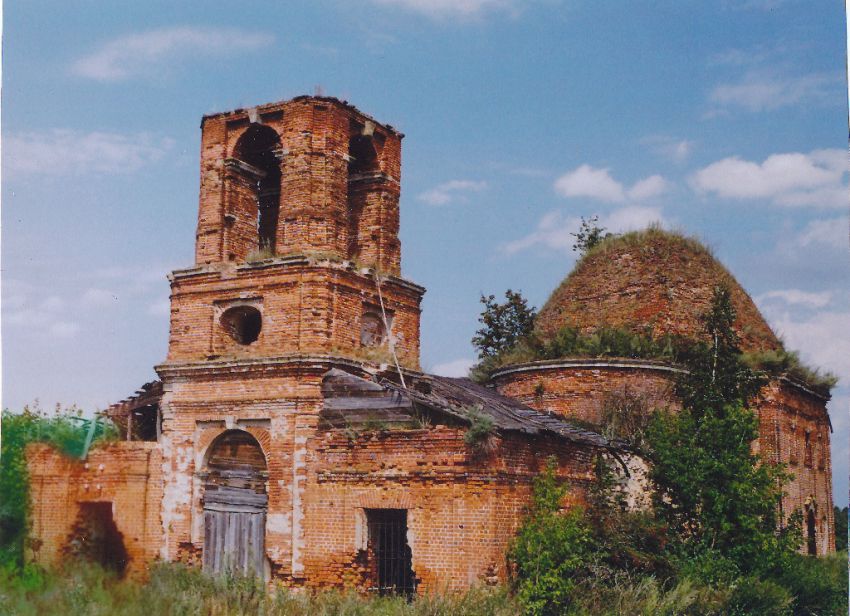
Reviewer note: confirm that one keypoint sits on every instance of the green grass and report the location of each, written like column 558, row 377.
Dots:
column 174, row 589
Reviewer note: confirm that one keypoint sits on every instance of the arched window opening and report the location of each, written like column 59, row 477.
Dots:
column 235, row 505
column 811, row 537
column 242, row 323
column 363, row 167
column 362, row 157
column 260, row 147
column 807, row 452
column 372, row 331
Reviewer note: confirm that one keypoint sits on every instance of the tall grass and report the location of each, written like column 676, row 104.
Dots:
column 173, row 589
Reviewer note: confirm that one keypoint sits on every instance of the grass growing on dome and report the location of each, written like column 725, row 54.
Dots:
column 653, row 233
column 654, row 237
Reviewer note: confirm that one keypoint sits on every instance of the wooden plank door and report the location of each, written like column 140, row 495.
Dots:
column 234, row 542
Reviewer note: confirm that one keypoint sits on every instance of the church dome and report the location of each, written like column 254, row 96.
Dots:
column 650, row 280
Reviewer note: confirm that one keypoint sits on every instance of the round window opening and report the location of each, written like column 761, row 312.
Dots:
column 242, row 323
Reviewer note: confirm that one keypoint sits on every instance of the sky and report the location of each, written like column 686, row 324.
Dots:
column 725, row 120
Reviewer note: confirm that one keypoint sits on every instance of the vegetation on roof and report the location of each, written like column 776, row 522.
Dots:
column 570, row 342
column 788, row 363
column 654, row 238
column 516, row 342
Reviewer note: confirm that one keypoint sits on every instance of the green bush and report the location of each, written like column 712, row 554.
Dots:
column 752, row 595
column 64, row 429
column 552, row 552
column 818, row 585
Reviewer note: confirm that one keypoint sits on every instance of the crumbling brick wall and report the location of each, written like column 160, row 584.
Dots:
column 794, row 429
column 581, row 388
column 328, row 203
column 787, row 411
column 306, row 308
column 125, row 474
column 463, row 506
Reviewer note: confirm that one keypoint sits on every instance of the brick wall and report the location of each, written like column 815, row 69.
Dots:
column 125, row 474
column 581, row 388
column 322, row 206
column 463, row 507
column 306, row 306
column 787, row 412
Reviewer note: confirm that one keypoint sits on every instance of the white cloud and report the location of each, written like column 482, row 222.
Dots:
column 596, row 183
column 66, row 152
column 452, row 191
column 45, row 318
column 793, row 179
column 830, row 232
column 454, row 368
column 757, row 91
column 555, row 230
column 819, row 337
column 648, row 188
column 677, row 150
column 797, row 297
column 155, row 51
column 64, row 329
column 442, row 9
column 587, row 181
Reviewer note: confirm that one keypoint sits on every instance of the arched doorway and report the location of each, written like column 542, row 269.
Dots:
column 235, row 504
column 96, row 538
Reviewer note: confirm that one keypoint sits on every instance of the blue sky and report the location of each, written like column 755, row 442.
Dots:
column 726, row 120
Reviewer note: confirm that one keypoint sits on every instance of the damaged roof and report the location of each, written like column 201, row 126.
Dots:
column 350, row 397
column 148, row 394
column 353, row 399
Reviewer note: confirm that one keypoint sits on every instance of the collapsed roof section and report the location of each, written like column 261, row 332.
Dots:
column 354, row 401
column 137, row 417
column 350, row 400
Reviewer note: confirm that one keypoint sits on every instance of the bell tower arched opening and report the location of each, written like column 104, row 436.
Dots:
column 259, row 147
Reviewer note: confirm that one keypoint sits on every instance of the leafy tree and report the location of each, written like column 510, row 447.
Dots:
column 590, row 234
column 711, row 488
column 840, row 529
column 504, row 325
column 552, row 550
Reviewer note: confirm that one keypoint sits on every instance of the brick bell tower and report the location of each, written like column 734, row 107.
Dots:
column 297, row 264
column 298, row 224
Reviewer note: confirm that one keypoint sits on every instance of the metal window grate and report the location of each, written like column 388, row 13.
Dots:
column 390, row 556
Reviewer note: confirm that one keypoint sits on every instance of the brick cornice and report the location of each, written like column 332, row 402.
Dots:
column 298, row 261
column 589, row 363
column 284, row 364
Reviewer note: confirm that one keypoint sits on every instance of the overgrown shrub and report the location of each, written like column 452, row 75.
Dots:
column 818, row 585
column 480, row 431
column 64, row 429
column 552, row 552
column 840, row 528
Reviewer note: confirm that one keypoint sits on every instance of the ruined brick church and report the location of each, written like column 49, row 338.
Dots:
column 291, row 434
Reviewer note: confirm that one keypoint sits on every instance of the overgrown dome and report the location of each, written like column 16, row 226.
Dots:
column 650, row 280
